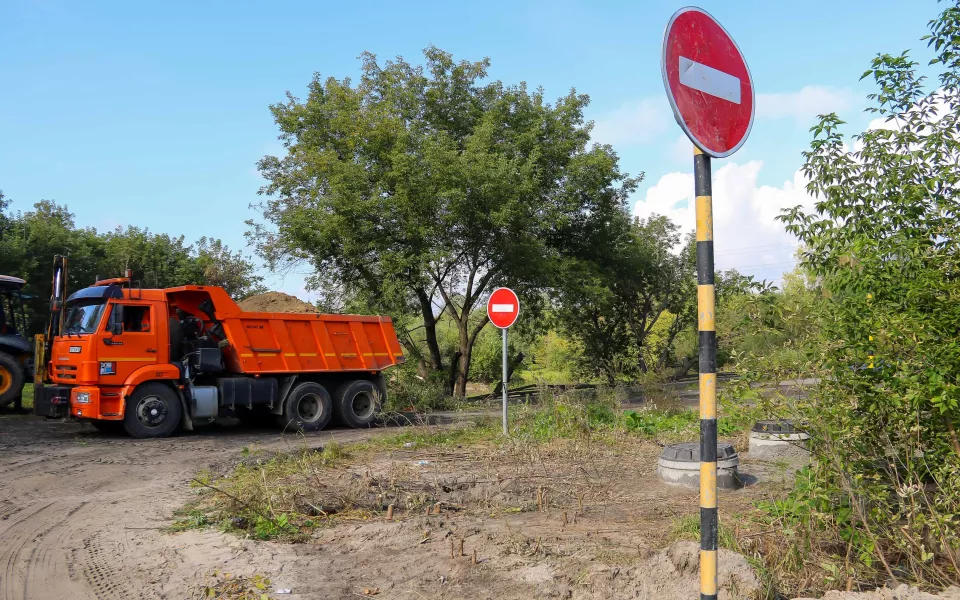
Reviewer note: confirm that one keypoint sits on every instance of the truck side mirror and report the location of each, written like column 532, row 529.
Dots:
column 116, row 319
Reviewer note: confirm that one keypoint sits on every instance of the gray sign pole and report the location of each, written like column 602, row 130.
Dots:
column 505, row 381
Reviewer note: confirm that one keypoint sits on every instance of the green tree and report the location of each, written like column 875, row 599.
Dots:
column 29, row 241
column 612, row 297
column 884, row 247
column 420, row 189
column 159, row 261
column 217, row 265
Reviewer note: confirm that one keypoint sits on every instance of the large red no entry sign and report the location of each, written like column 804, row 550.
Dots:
column 707, row 81
column 503, row 307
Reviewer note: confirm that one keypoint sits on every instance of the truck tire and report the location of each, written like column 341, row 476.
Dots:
column 153, row 411
column 308, row 407
column 11, row 379
column 358, row 403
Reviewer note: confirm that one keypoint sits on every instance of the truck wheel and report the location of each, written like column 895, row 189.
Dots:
column 308, row 407
column 11, row 379
column 153, row 410
column 358, row 403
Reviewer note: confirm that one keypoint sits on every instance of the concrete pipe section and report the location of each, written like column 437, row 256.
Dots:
column 680, row 465
column 778, row 440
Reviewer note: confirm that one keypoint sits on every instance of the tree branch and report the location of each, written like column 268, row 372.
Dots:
column 452, row 309
column 476, row 330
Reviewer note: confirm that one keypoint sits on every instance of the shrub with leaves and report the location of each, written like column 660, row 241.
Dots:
column 884, row 246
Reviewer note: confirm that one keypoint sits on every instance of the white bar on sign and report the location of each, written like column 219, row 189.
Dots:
column 709, row 80
column 507, row 308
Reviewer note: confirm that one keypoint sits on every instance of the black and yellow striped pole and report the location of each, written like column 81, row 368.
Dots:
column 706, row 324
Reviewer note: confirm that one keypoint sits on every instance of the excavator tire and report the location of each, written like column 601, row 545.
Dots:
column 11, row 379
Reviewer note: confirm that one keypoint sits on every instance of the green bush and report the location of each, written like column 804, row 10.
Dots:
column 406, row 389
column 881, row 500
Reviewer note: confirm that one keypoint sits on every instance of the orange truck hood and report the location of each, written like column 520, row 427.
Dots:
column 73, row 360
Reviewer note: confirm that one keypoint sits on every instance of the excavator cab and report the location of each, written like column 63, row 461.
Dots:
column 16, row 363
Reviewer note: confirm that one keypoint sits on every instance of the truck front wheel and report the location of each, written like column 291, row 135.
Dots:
column 153, row 410
column 358, row 403
column 308, row 407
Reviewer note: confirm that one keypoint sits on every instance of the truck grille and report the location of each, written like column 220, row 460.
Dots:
column 66, row 371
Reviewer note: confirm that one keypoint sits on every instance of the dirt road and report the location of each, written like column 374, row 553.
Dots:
column 81, row 512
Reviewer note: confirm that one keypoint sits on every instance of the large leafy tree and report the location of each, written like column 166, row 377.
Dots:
column 420, row 188
column 612, row 296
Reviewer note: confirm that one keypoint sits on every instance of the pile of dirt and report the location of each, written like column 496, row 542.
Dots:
column 276, row 302
column 902, row 592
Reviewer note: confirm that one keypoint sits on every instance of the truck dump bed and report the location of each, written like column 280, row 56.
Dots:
column 278, row 343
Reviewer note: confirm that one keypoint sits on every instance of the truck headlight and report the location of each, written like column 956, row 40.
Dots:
column 108, row 368
column 83, row 397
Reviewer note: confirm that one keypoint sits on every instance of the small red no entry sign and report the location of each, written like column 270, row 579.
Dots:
column 503, row 307
column 707, row 81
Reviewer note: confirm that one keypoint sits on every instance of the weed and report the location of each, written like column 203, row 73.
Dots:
column 230, row 587
column 688, row 528
column 188, row 519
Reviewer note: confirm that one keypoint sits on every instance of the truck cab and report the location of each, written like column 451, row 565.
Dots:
column 113, row 337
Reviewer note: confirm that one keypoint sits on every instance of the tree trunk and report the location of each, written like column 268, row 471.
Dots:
column 454, row 375
column 685, row 365
column 463, row 372
column 467, row 340
column 675, row 328
column 435, row 360
column 510, row 368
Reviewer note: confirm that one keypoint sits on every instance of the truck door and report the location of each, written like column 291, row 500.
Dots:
column 129, row 341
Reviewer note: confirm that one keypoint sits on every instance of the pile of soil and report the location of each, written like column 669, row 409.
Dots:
column 276, row 302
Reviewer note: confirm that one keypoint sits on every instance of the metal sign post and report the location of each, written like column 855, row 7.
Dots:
column 503, row 308
column 505, row 375
column 711, row 92
column 707, row 333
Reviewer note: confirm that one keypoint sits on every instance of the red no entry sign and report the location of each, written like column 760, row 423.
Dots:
column 707, row 81
column 503, row 307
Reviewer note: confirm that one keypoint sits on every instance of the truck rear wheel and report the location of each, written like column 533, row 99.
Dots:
column 153, row 411
column 358, row 403
column 308, row 407
column 11, row 379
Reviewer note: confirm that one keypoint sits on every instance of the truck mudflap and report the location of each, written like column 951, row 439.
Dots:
column 51, row 401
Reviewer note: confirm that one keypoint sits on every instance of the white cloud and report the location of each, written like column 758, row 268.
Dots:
column 805, row 104
column 681, row 150
column 748, row 237
column 633, row 123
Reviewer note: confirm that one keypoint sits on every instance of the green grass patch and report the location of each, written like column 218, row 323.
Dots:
column 688, row 528
column 28, row 396
column 286, row 495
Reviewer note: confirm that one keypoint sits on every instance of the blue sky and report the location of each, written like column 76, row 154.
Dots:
column 154, row 114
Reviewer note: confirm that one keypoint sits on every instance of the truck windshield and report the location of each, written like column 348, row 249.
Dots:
column 83, row 317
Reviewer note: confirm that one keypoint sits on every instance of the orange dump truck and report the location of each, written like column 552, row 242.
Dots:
column 150, row 361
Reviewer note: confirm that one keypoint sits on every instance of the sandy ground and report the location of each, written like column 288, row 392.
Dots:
column 82, row 515
column 81, row 512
